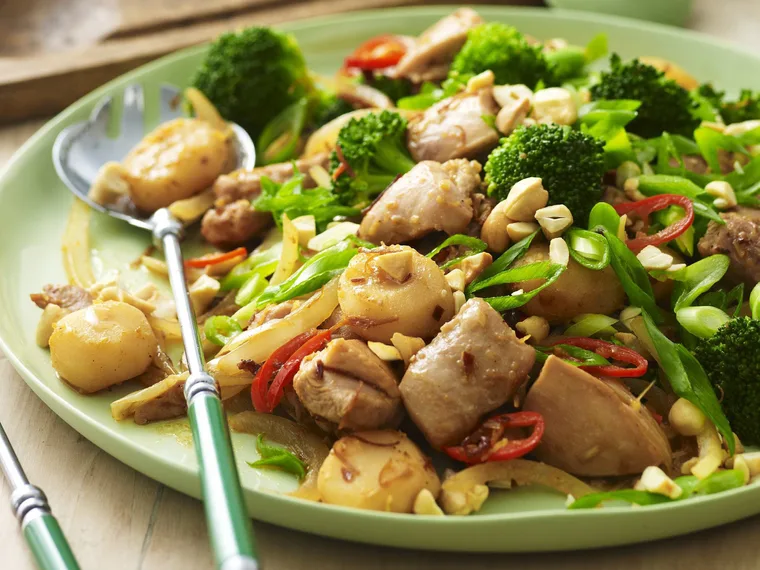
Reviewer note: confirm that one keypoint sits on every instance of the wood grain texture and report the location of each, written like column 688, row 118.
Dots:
column 117, row 519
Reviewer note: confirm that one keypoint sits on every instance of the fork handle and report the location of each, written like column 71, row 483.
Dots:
column 228, row 523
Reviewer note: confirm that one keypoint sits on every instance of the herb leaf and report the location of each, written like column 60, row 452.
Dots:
column 278, row 458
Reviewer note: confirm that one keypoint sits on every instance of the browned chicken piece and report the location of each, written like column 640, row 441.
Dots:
column 430, row 197
column 233, row 224
column 247, row 183
column 739, row 238
column 69, row 297
column 454, row 128
column 233, row 220
column 594, row 427
column 431, row 55
column 472, row 367
column 348, row 385
column 614, row 196
column 171, row 404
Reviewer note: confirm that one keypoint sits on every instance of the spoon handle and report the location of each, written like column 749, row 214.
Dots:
column 228, row 523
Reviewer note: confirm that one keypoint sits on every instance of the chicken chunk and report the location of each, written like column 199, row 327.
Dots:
column 69, row 297
column 454, row 128
column 431, row 55
column 348, row 385
column 472, row 367
column 739, row 238
column 430, row 197
column 233, row 224
column 594, row 427
column 233, row 220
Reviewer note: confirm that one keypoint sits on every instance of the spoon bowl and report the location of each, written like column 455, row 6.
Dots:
column 81, row 149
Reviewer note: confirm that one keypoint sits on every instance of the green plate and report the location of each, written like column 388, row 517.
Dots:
column 33, row 210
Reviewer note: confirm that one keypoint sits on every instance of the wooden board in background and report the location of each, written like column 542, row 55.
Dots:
column 114, row 40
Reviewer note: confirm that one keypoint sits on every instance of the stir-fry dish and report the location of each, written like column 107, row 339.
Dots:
column 470, row 258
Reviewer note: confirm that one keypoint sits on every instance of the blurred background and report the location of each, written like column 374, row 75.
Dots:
column 54, row 51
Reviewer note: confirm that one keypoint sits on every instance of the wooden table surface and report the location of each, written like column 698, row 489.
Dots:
column 115, row 518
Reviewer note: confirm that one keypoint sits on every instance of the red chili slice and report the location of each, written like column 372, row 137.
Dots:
column 215, row 258
column 487, row 443
column 611, row 352
column 649, row 205
column 288, row 370
column 274, row 363
column 377, row 53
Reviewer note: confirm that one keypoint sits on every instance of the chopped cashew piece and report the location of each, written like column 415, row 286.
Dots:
column 631, row 190
column 525, row 199
column 740, row 464
column 474, row 265
column 110, row 184
column 653, row 258
column 480, row 81
column 537, row 328
column 554, row 220
column 425, row 504
column 554, row 105
column 711, row 454
column 686, row 418
column 407, row 346
column 494, row 230
column 504, row 94
column 559, row 252
column 51, row 314
column 724, row 194
column 511, row 115
column 399, row 265
column 202, row 292
column 307, row 229
column 333, row 235
column 751, row 460
column 520, row 230
column 736, row 129
column 384, row 351
column 459, row 301
column 154, row 265
column 654, row 480
column 455, row 279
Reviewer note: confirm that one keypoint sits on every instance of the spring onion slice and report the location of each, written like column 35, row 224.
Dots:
column 702, row 322
column 220, row 329
column 591, row 324
column 545, row 270
column 688, row 379
column 474, row 245
column 697, row 278
column 587, row 248
column 507, row 258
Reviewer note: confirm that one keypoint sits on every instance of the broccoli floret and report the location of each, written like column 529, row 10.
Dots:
column 570, row 164
column 732, row 363
column 745, row 108
column 503, row 50
column 665, row 105
column 371, row 152
column 252, row 75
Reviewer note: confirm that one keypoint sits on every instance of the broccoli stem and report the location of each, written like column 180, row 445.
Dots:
column 392, row 158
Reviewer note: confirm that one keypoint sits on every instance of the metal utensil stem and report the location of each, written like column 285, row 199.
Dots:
column 10, row 464
column 229, row 525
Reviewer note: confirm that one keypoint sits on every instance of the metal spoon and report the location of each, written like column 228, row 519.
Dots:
column 29, row 503
column 78, row 153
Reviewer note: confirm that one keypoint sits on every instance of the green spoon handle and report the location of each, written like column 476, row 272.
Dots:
column 48, row 545
column 228, row 524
